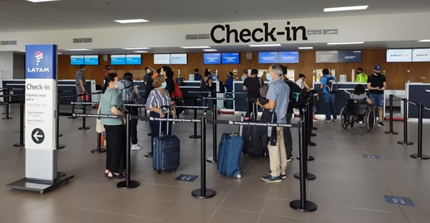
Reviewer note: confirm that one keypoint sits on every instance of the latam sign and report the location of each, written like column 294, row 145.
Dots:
column 40, row 62
column 421, row 55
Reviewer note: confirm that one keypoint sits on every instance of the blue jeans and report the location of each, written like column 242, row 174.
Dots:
column 329, row 105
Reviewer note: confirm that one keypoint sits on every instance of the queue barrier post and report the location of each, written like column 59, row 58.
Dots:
column 214, row 158
column 392, row 132
column 405, row 124
column 99, row 145
column 419, row 154
column 309, row 176
column 195, row 136
column 128, row 183
column 8, row 99
column 73, row 104
column 303, row 204
column 203, row 192
column 84, row 120
column 21, row 124
column 57, row 126
column 310, row 122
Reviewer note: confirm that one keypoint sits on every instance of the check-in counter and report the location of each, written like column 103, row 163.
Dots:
column 188, row 86
column 418, row 93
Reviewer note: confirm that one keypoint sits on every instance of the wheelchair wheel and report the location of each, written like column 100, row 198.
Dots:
column 370, row 120
column 344, row 118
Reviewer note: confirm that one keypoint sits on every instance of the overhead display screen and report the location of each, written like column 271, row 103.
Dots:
column 350, row 56
column 133, row 59
column 230, row 58
column 327, row 56
column 289, row 57
column 91, row 60
column 399, row 55
column 421, row 55
column 212, row 58
column 268, row 57
column 117, row 59
column 77, row 60
column 161, row 58
column 178, row 58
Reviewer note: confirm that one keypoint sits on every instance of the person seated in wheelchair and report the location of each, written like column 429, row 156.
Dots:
column 358, row 94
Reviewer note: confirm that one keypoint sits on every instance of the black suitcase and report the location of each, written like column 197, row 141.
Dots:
column 252, row 140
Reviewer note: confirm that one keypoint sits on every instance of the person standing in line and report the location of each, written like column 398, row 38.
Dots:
column 329, row 99
column 147, row 81
column 197, row 75
column 245, row 74
column 302, row 83
column 106, row 71
column 112, row 104
column 80, row 86
column 361, row 77
column 288, row 138
column 376, row 84
column 206, row 85
column 252, row 86
column 229, row 82
column 277, row 102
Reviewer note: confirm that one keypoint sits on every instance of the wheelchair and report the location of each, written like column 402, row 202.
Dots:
column 357, row 111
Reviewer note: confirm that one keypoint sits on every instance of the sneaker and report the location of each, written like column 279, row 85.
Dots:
column 335, row 119
column 136, row 147
column 315, row 120
column 381, row 124
column 327, row 121
column 271, row 179
column 283, row 176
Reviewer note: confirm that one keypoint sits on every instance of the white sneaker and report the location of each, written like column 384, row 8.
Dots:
column 327, row 121
column 136, row 147
column 335, row 119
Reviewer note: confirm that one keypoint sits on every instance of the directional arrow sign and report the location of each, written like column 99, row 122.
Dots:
column 38, row 136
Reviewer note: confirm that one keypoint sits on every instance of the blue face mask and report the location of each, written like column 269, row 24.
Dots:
column 243, row 78
column 268, row 77
column 163, row 85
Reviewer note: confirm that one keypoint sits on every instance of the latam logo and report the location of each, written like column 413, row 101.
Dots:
column 39, row 57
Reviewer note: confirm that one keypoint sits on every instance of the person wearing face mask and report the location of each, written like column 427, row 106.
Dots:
column 106, row 71
column 111, row 103
column 361, row 77
column 278, row 101
column 245, row 74
column 229, row 82
column 147, row 81
column 376, row 83
column 197, row 75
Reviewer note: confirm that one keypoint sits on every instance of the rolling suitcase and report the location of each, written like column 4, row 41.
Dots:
column 229, row 155
column 252, row 140
column 166, row 152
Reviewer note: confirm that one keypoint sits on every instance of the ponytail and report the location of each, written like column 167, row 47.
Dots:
column 108, row 78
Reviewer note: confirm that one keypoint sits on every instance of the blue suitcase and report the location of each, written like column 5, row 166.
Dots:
column 166, row 152
column 229, row 155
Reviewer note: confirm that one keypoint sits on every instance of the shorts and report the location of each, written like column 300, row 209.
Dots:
column 377, row 100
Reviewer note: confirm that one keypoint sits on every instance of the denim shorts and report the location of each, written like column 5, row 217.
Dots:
column 377, row 100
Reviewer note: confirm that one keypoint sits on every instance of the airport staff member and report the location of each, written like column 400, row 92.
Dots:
column 278, row 102
column 361, row 77
column 80, row 86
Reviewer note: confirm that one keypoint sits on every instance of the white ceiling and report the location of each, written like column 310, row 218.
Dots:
column 20, row 15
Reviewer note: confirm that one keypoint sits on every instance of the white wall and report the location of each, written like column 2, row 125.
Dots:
column 384, row 28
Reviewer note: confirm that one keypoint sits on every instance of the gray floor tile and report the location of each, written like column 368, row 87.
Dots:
column 332, row 214
column 232, row 216
column 275, row 219
column 186, row 213
column 282, row 208
column 366, row 216
column 244, row 202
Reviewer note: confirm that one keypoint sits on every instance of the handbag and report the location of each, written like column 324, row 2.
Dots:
column 100, row 128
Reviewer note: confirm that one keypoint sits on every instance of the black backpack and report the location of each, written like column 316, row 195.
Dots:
column 331, row 85
column 205, row 87
column 298, row 96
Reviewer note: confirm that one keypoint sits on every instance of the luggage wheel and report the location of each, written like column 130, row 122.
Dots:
column 238, row 176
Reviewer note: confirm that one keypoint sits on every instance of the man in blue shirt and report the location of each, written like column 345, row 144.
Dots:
column 197, row 76
column 229, row 82
column 278, row 97
column 329, row 99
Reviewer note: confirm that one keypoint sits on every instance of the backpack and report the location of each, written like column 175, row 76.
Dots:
column 331, row 85
column 127, row 93
column 221, row 87
column 298, row 96
column 204, row 86
column 263, row 88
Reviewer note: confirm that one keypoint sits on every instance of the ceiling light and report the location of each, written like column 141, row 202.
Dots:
column 59, row 53
column 124, row 21
column 265, row 45
column 140, row 51
column 78, row 49
column 345, row 43
column 136, row 48
column 195, row 47
column 210, row 50
column 37, row 1
column 306, row 48
column 347, row 8
column 424, row 41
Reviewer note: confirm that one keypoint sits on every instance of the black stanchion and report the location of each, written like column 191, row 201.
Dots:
column 73, row 105
column 21, row 124
column 8, row 99
column 84, row 120
column 310, row 123
column 214, row 158
column 405, row 124
column 309, row 176
column 57, row 126
column 303, row 204
column 392, row 132
column 420, row 154
column 99, row 145
column 150, row 154
column 203, row 192
column 128, row 183
column 195, row 136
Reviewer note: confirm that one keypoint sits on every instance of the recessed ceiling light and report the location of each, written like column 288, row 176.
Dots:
column 265, row 45
column 78, row 49
column 59, row 53
column 37, row 1
column 306, row 48
column 347, row 8
column 140, row 51
column 136, row 48
column 424, row 41
column 124, row 21
column 210, row 50
column 195, row 47
column 345, row 43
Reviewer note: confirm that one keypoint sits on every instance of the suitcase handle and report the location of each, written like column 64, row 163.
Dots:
column 167, row 118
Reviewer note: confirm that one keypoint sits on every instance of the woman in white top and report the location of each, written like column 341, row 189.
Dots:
column 302, row 83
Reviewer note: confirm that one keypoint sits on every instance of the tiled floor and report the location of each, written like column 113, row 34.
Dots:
column 348, row 188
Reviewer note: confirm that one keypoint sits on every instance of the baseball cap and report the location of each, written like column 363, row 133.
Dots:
column 377, row 67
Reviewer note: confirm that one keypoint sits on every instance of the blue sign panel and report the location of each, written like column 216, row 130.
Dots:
column 289, row 57
column 91, row 60
column 230, row 58
column 268, row 57
column 41, row 62
column 350, row 56
column 399, row 200
column 135, row 59
column 212, row 58
column 178, row 58
column 117, row 59
column 77, row 60
column 188, row 178
column 376, row 157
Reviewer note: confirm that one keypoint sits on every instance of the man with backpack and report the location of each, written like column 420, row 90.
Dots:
column 329, row 88
column 252, row 86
